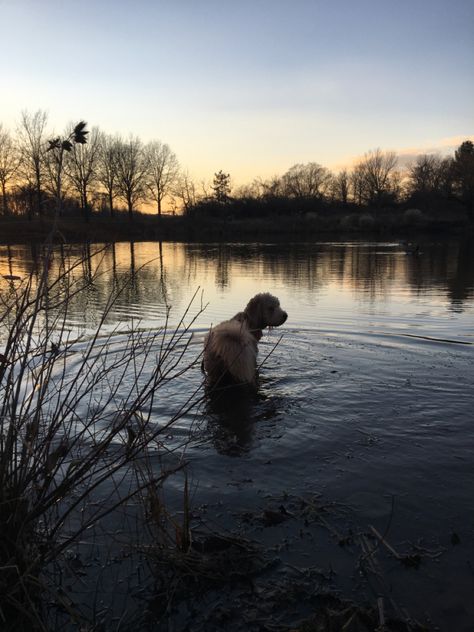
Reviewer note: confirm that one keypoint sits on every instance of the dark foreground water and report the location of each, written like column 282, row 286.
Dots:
column 364, row 420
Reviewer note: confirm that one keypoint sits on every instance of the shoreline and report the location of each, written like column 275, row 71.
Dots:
column 187, row 229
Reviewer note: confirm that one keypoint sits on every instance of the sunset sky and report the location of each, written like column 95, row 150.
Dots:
column 248, row 86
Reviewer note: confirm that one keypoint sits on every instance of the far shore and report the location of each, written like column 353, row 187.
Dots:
column 143, row 227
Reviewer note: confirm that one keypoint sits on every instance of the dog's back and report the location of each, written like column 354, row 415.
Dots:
column 230, row 354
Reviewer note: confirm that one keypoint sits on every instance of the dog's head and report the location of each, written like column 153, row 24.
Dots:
column 264, row 310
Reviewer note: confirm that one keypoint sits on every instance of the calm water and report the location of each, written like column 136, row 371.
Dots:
column 366, row 402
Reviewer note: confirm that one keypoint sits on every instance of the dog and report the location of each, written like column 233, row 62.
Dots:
column 230, row 348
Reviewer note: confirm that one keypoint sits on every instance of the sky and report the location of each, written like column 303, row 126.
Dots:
column 251, row 87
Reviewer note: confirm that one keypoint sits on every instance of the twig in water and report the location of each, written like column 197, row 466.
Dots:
column 270, row 352
column 412, row 560
column 383, row 541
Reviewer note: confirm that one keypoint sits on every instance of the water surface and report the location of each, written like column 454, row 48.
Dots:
column 366, row 402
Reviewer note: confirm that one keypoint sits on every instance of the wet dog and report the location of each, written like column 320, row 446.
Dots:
column 230, row 348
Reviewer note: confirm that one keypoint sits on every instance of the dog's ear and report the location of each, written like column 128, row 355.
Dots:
column 254, row 311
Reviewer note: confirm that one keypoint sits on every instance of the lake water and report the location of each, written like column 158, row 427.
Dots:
column 365, row 405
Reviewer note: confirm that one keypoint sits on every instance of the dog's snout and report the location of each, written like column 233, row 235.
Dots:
column 285, row 316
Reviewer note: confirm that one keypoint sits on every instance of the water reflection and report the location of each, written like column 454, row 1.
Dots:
column 322, row 280
column 230, row 413
column 234, row 416
column 344, row 404
column 369, row 268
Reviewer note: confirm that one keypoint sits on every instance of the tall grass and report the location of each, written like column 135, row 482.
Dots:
column 75, row 418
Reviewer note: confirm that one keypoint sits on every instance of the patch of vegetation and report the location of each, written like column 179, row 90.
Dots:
column 71, row 430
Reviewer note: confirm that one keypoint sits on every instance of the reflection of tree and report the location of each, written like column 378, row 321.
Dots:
column 121, row 266
column 368, row 268
column 461, row 281
column 34, row 255
column 10, row 260
column 448, row 266
column 164, row 290
column 173, row 271
column 114, row 261
column 222, row 267
column 132, row 259
column 87, row 262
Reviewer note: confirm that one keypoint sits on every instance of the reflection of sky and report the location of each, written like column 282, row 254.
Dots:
column 322, row 286
column 251, row 87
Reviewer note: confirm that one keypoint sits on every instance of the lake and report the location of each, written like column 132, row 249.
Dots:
column 363, row 423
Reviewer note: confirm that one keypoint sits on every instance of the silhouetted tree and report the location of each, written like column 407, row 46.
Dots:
column 340, row 186
column 8, row 164
column 356, row 180
column 424, row 175
column 56, row 148
column 447, row 177
column 270, row 188
column 163, row 169
column 463, row 171
column 31, row 135
column 186, row 191
column 81, row 168
column 107, row 167
column 221, row 186
column 376, row 171
column 428, row 179
column 309, row 180
column 131, row 172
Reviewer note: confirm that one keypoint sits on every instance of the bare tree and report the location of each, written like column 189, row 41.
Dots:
column 131, row 172
column 357, row 184
column 185, row 190
column 273, row 187
column 58, row 148
column 31, row 135
column 107, row 167
column 426, row 177
column 447, row 177
column 8, row 164
column 163, row 169
column 81, row 168
column 377, row 170
column 248, row 191
column 52, row 180
column 306, row 180
column 340, row 186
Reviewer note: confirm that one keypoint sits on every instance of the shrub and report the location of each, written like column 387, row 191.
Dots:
column 366, row 221
column 414, row 217
column 70, row 423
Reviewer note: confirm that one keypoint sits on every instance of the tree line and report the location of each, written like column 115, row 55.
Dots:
column 375, row 183
column 109, row 173
column 96, row 175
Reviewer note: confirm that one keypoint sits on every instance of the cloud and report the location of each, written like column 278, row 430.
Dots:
column 442, row 147
column 406, row 155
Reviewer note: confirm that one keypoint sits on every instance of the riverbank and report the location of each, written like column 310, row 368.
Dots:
column 144, row 227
